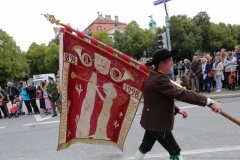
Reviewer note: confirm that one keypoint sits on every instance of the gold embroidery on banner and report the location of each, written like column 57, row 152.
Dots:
column 131, row 63
column 64, row 113
column 88, row 141
column 129, row 116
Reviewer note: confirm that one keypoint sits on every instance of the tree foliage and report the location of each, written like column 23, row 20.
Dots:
column 134, row 41
column 51, row 60
column 103, row 37
column 185, row 35
column 13, row 63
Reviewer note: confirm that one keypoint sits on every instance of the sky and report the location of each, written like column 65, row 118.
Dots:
column 22, row 19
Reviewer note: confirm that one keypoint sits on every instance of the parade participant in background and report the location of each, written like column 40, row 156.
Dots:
column 52, row 91
column 12, row 91
column 159, row 108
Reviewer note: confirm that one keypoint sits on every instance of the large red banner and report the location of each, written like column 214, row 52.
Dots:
column 100, row 93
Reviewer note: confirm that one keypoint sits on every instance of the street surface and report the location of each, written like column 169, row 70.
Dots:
column 204, row 135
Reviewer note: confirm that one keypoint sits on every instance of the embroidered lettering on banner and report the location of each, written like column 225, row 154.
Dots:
column 70, row 58
column 132, row 91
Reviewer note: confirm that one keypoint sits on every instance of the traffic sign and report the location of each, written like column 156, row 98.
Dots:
column 159, row 2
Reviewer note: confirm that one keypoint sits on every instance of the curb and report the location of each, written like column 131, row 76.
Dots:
column 215, row 96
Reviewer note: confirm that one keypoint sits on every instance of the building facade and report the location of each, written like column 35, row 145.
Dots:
column 105, row 24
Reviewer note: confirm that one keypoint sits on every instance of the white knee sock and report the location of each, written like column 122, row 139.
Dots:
column 180, row 157
column 139, row 155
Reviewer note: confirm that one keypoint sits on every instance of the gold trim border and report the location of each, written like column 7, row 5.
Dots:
column 64, row 112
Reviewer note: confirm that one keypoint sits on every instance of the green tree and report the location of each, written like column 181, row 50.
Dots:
column 36, row 56
column 202, row 20
column 103, row 37
column 51, row 60
column 131, row 41
column 185, row 36
column 11, row 59
column 221, row 37
column 150, row 41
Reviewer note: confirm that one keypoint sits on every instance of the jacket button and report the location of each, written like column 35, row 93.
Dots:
column 147, row 109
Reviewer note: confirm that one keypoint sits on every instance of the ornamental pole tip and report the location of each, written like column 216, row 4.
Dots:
column 51, row 19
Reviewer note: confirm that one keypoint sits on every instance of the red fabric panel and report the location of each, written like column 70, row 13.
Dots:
column 94, row 41
column 126, row 57
column 144, row 67
column 80, row 34
column 109, row 49
column 68, row 28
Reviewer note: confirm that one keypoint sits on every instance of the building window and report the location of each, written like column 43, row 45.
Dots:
column 99, row 28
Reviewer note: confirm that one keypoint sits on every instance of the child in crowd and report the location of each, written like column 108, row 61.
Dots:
column 47, row 101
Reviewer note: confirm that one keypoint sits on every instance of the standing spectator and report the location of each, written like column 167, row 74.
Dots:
column 229, row 63
column 223, row 56
column 13, row 91
column 59, row 86
column 2, row 107
column 218, row 73
column 218, row 54
column 179, row 66
column 5, row 100
column 46, row 99
column 40, row 96
column 32, row 95
column 170, row 75
column 206, row 68
column 210, row 74
column 52, row 91
column 186, row 65
column 20, row 87
column 186, row 80
column 195, row 73
column 26, row 99
column 236, row 54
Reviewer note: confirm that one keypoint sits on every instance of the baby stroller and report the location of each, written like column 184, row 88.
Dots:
column 17, row 101
column 13, row 112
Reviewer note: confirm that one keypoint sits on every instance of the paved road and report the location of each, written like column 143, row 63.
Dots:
column 203, row 135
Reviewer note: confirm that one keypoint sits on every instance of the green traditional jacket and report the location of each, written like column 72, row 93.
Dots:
column 53, row 90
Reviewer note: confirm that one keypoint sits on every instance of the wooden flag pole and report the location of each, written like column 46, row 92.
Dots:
column 53, row 20
column 222, row 112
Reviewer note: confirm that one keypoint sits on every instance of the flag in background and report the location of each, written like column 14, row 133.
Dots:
column 100, row 92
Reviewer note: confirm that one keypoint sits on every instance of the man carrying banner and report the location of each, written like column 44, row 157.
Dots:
column 159, row 108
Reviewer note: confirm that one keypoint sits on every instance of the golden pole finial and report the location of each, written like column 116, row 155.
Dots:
column 51, row 19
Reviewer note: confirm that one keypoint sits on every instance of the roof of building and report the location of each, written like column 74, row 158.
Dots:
column 106, row 23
